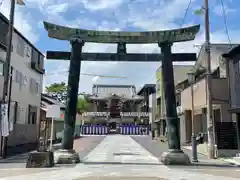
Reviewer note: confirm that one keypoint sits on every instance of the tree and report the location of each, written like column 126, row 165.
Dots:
column 82, row 105
column 58, row 91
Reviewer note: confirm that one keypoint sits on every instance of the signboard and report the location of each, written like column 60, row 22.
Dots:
column 4, row 121
column 175, row 35
column 53, row 111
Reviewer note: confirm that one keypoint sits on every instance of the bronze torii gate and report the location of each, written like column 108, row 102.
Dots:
column 164, row 39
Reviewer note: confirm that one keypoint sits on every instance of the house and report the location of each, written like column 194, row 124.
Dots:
column 220, row 94
column 27, row 64
column 180, row 74
column 48, row 100
column 232, row 59
column 146, row 91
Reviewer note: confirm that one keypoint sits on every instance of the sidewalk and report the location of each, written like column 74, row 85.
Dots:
column 82, row 146
column 203, row 151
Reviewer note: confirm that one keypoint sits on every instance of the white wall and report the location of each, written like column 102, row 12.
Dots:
column 22, row 75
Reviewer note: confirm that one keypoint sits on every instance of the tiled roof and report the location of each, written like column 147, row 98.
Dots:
column 45, row 99
column 120, row 90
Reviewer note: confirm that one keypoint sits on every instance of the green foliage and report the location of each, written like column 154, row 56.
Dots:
column 57, row 87
column 82, row 105
column 59, row 91
column 199, row 11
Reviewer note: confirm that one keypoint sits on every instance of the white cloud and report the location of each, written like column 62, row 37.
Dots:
column 21, row 20
column 113, row 15
column 56, row 9
column 94, row 5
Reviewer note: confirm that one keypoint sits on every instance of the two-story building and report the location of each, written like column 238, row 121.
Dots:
column 180, row 74
column 232, row 59
column 27, row 64
column 220, row 94
column 146, row 91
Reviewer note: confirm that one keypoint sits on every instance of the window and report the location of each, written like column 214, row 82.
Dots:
column 1, row 68
column 17, row 76
column 18, row 114
column 20, row 46
column 4, row 31
column 32, row 115
column 35, row 56
column 28, row 51
column 34, row 86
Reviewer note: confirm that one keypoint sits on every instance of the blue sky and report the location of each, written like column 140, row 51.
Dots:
column 130, row 15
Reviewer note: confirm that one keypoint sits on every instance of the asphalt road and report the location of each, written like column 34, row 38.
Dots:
column 83, row 146
column 205, row 166
column 156, row 147
column 145, row 150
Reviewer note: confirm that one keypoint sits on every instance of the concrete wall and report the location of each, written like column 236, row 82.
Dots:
column 23, row 77
column 219, row 93
column 234, row 83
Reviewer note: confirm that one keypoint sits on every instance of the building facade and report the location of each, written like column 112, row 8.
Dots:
column 114, row 105
column 180, row 74
column 146, row 91
column 27, row 65
column 232, row 59
column 222, row 76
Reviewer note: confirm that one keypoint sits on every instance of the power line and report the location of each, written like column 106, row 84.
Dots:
column 225, row 21
column 186, row 11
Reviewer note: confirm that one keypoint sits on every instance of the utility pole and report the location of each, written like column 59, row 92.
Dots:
column 7, row 65
column 210, row 123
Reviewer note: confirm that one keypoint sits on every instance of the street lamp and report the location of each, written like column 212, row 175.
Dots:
column 191, row 80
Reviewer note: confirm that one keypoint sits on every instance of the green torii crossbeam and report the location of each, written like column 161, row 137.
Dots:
column 130, row 57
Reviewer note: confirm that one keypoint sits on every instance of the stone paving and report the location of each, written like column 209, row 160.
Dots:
column 120, row 149
column 121, row 157
column 83, row 146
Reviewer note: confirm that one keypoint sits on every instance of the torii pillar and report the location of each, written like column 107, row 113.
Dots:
column 174, row 155
column 67, row 154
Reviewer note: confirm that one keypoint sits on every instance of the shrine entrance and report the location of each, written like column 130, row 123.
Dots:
column 164, row 39
column 113, row 126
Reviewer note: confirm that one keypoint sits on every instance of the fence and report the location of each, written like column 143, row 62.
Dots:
column 94, row 130
column 103, row 130
column 134, row 130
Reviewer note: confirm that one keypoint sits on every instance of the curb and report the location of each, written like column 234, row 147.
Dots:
column 191, row 150
column 231, row 161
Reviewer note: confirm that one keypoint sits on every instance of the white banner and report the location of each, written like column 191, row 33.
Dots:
column 4, row 120
column 124, row 114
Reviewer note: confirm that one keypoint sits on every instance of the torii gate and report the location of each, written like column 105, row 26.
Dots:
column 164, row 39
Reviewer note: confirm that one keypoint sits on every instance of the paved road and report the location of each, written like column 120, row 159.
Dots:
column 83, row 146
column 121, row 157
column 157, row 147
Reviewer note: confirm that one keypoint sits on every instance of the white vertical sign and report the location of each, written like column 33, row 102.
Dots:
column 4, row 121
column 53, row 111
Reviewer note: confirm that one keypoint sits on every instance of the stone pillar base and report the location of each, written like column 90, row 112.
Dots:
column 63, row 156
column 175, row 158
column 40, row 160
